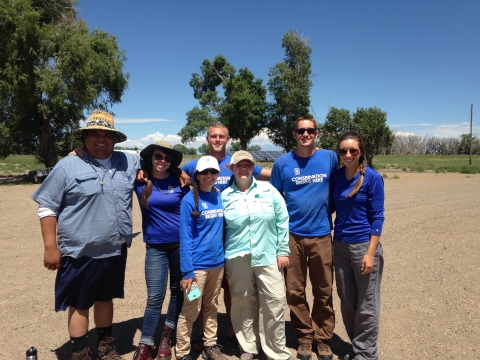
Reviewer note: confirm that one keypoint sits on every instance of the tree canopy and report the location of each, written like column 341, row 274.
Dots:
column 289, row 86
column 184, row 150
column 241, row 108
column 204, row 149
column 52, row 70
column 370, row 123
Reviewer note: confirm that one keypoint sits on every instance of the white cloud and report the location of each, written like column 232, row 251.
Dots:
column 139, row 121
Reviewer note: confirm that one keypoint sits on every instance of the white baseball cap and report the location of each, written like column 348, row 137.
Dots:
column 207, row 162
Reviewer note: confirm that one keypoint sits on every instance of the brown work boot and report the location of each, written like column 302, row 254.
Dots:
column 81, row 355
column 106, row 350
column 304, row 351
column 324, row 351
column 213, row 353
column 165, row 347
column 143, row 352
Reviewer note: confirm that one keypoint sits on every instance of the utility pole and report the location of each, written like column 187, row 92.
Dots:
column 471, row 120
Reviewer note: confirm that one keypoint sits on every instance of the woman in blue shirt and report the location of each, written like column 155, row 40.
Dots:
column 203, row 259
column 159, row 200
column 256, row 249
column 358, row 198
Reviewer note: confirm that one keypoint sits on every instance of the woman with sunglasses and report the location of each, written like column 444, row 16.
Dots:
column 357, row 193
column 203, row 259
column 159, row 200
column 256, row 249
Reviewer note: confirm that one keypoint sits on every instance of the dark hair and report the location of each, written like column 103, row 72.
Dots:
column 195, row 189
column 353, row 135
column 147, row 191
column 305, row 118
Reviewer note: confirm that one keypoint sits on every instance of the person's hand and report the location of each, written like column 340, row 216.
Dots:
column 367, row 264
column 187, row 284
column 282, row 262
column 52, row 259
column 142, row 176
column 79, row 150
column 184, row 179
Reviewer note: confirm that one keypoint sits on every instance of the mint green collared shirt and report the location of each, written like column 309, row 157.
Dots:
column 256, row 222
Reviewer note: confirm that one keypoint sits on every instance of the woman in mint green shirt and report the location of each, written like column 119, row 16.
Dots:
column 256, row 251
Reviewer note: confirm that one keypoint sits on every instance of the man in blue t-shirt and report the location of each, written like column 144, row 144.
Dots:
column 217, row 140
column 303, row 177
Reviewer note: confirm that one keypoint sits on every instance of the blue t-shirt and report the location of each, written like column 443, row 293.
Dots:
column 224, row 178
column 304, row 183
column 161, row 221
column 201, row 238
column 361, row 215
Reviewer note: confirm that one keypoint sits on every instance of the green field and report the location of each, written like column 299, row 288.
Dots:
column 421, row 163
column 22, row 164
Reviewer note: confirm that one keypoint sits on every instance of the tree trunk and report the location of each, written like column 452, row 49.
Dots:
column 47, row 151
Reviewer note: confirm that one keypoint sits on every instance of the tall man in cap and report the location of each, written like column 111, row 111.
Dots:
column 303, row 177
column 217, row 140
column 85, row 211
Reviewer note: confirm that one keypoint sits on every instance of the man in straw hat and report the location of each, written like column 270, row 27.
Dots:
column 85, row 211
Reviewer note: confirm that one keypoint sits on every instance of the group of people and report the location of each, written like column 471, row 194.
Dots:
column 257, row 240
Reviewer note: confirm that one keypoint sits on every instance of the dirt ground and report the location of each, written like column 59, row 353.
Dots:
column 430, row 289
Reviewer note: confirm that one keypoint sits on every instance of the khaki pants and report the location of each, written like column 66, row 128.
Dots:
column 209, row 281
column 258, row 307
column 314, row 253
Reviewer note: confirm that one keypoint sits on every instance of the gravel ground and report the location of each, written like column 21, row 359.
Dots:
column 430, row 293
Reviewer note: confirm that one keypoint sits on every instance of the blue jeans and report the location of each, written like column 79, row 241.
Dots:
column 158, row 260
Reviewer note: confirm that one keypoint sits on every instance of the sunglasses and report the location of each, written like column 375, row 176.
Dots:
column 310, row 131
column 211, row 171
column 353, row 152
column 160, row 157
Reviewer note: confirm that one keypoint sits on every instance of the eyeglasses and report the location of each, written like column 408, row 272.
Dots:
column 160, row 157
column 107, row 135
column 211, row 171
column 353, row 152
column 310, row 131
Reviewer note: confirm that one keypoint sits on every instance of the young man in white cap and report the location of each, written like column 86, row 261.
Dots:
column 85, row 211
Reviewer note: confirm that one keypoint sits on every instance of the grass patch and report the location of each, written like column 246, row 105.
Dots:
column 19, row 164
column 422, row 163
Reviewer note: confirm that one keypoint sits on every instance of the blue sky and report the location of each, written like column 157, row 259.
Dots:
column 418, row 60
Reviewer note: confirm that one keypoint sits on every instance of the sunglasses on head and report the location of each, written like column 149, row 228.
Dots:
column 211, row 171
column 160, row 157
column 301, row 131
column 353, row 152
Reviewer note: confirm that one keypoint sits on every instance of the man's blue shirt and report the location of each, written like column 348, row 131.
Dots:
column 92, row 217
column 304, row 183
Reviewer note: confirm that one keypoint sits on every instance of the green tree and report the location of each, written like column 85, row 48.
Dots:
column 241, row 108
column 337, row 122
column 464, row 146
column 235, row 146
column 370, row 123
column 204, row 149
column 254, row 148
column 289, row 87
column 52, row 70
column 184, row 150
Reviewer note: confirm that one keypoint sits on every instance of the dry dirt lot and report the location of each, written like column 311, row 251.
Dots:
column 430, row 290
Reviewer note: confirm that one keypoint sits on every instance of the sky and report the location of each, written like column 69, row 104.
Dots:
column 417, row 60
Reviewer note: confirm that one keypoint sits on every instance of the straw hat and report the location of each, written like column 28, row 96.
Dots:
column 101, row 120
column 167, row 148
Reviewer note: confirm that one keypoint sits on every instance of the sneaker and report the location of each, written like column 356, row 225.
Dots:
column 165, row 347
column 324, row 351
column 304, row 351
column 213, row 353
column 143, row 352
column 246, row 356
column 81, row 355
column 107, row 351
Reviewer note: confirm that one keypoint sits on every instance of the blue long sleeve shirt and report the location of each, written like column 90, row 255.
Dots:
column 201, row 238
column 361, row 215
column 256, row 222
